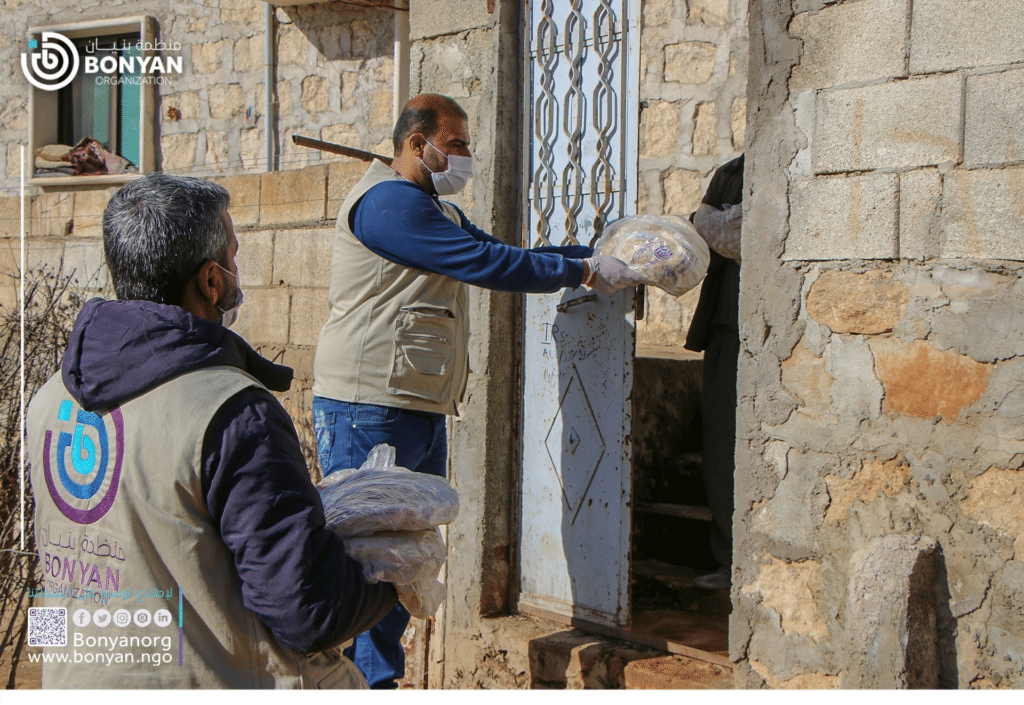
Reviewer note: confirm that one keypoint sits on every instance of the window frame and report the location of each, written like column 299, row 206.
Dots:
column 43, row 105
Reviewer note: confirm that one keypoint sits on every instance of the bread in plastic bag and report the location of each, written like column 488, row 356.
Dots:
column 423, row 597
column 386, row 498
column 664, row 249
column 399, row 557
column 389, row 518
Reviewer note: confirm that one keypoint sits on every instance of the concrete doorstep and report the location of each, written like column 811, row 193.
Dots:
column 676, row 673
column 573, row 660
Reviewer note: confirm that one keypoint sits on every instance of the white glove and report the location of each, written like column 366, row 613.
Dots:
column 610, row 274
column 720, row 228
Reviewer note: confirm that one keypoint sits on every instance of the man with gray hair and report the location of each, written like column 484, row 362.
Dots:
column 182, row 540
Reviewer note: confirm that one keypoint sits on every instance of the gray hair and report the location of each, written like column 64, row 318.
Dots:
column 158, row 231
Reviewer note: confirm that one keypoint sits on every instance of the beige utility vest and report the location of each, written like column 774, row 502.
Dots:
column 396, row 336
column 124, row 535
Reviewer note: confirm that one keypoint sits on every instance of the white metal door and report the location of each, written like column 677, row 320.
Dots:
column 579, row 345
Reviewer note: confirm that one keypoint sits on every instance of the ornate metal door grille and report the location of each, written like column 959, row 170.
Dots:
column 579, row 63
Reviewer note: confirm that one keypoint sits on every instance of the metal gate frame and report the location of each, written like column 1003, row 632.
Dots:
column 616, row 117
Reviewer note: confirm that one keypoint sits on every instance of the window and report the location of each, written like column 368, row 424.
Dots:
column 106, row 111
column 117, row 113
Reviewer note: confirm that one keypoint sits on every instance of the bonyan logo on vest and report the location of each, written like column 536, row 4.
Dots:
column 89, row 451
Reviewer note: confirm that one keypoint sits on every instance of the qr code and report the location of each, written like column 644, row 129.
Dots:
column 47, row 626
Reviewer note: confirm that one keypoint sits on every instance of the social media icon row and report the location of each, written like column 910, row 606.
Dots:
column 122, row 618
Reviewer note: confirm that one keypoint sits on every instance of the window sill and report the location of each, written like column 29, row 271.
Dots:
column 97, row 180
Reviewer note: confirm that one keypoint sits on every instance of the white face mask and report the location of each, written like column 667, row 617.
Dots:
column 229, row 315
column 454, row 178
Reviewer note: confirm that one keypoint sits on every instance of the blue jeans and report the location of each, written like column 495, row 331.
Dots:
column 345, row 434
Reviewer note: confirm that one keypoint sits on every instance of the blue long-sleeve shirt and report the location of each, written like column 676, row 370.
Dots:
column 404, row 224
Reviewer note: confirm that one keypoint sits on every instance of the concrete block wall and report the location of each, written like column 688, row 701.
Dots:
column 693, row 58
column 63, row 234
column 926, row 116
column 334, row 81
column 880, row 456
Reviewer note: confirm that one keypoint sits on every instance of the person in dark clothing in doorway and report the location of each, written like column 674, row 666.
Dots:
column 715, row 331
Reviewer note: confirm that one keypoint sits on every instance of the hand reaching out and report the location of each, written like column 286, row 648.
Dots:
column 609, row 274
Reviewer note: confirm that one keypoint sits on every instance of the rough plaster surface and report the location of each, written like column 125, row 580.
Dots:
column 892, row 470
column 804, row 376
column 886, row 296
column 804, row 681
column 876, row 478
column 788, row 589
column 994, row 500
column 768, row 306
column 792, row 515
column 796, row 603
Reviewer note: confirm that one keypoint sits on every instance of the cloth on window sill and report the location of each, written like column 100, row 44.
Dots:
column 88, row 157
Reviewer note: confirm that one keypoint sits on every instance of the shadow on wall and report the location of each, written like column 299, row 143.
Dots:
column 343, row 92
column 341, row 33
column 931, row 658
column 900, row 628
column 949, row 676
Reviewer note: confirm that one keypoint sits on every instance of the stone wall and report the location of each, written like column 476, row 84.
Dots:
column 334, row 81
column 693, row 78
column 334, row 76
column 53, row 243
column 880, row 458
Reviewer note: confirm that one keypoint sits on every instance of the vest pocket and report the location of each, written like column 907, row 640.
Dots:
column 424, row 353
column 331, row 670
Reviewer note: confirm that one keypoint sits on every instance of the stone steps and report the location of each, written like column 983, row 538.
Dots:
column 576, row 660
column 676, row 673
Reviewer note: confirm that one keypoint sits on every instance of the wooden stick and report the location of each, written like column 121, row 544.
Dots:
column 339, row 149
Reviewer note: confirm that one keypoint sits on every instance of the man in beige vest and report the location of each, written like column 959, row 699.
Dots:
column 182, row 542
column 392, row 359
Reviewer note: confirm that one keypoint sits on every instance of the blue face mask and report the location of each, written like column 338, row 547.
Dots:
column 229, row 315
